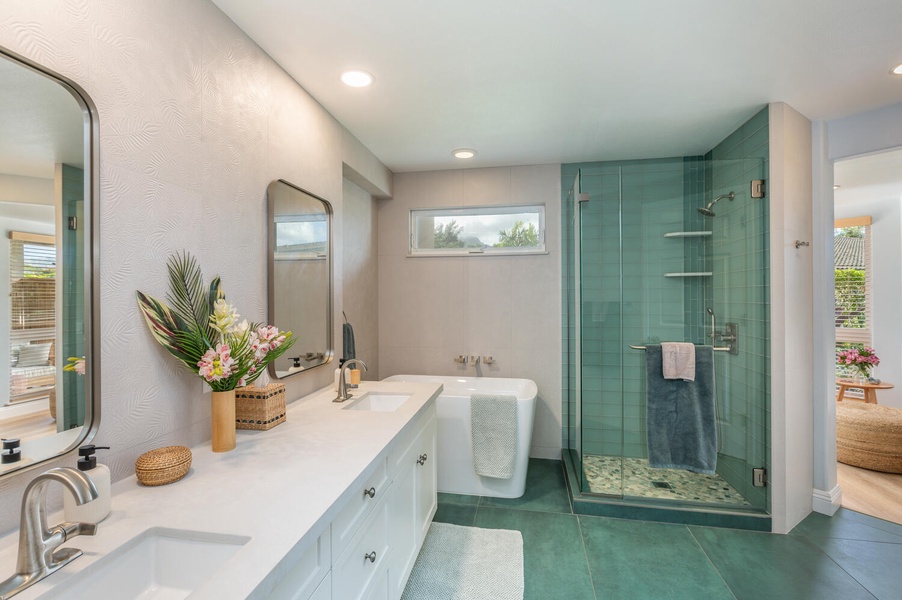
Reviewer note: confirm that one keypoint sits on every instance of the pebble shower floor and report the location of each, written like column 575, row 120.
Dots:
column 615, row 475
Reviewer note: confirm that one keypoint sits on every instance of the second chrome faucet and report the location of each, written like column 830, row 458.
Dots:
column 343, row 393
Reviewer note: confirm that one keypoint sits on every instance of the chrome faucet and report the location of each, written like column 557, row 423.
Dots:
column 343, row 393
column 38, row 554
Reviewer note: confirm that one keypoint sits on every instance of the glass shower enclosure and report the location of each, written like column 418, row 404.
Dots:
column 644, row 265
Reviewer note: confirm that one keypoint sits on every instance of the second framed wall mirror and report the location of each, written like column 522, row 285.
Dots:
column 300, row 275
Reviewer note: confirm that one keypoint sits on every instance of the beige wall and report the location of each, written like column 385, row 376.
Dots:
column 195, row 122
column 509, row 307
column 360, row 277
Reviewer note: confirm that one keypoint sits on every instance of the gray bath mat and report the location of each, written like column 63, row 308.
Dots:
column 467, row 563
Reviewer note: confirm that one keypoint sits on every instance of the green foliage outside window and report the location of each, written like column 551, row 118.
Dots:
column 850, row 301
column 519, row 235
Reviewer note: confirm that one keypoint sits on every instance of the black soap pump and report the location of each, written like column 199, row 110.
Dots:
column 96, row 510
column 11, row 452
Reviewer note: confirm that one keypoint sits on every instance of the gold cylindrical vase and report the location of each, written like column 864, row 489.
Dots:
column 223, row 405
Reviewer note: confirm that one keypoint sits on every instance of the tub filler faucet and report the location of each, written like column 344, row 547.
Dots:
column 38, row 543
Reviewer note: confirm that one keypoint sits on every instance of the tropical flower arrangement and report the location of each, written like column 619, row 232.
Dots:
column 202, row 330
column 860, row 360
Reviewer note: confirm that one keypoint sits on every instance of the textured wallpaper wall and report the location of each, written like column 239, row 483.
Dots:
column 195, row 121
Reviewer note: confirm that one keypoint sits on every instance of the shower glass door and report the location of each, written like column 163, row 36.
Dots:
column 646, row 265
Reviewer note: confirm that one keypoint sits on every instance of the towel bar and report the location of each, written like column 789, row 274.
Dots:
column 716, row 348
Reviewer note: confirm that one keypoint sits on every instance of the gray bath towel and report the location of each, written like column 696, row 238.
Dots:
column 348, row 342
column 493, row 428
column 682, row 433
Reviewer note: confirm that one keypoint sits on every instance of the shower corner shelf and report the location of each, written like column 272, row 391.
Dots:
column 690, row 274
column 682, row 234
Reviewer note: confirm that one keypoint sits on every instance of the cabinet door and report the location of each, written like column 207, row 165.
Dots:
column 404, row 530
column 426, row 482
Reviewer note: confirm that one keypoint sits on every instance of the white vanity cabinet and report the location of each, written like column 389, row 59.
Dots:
column 369, row 549
column 414, row 500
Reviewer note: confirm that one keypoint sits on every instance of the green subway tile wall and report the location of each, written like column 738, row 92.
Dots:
column 627, row 299
column 73, row 281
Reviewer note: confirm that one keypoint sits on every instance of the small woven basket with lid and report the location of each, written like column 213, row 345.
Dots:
column 163, row 465
column 260, row 408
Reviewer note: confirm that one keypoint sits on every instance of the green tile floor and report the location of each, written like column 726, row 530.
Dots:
column 578, row 557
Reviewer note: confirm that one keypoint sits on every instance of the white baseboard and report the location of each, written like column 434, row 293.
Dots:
column 548, row 452
column 827, row 502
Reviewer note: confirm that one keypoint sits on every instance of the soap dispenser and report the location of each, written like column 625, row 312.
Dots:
column 96, row 510
column 296, row 366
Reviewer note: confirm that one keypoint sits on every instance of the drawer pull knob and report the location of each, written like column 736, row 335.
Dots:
column 422, row 459
column 370, row 557
column 370, row 492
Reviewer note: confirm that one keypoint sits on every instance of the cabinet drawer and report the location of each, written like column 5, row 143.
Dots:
column 365, row 559
column 358, row 507
column 306, row 574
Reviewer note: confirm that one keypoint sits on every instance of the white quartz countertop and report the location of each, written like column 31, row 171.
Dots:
column 281, row 488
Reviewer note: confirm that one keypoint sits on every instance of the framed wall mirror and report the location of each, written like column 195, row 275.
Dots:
column 300, row 276
column 48, row 253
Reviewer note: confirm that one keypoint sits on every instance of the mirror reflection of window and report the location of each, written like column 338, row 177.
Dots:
column 301, row 236
column 32, row 285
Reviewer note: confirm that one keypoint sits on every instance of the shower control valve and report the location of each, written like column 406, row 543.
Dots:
column 461, row 358
column 488, row 360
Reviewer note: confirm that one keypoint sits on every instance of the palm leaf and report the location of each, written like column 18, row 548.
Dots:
column 186, row 292
column 168, row 328
column 214, row 294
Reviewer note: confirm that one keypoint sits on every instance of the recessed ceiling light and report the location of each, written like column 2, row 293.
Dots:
column 464, row 153
column 897, row 70
column 357, row 78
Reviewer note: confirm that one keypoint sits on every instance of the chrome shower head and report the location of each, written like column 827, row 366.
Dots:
column 711, row 311
column 707, row 210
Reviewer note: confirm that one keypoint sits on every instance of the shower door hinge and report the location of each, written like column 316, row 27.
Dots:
column 582, row 197
column 759, row 188
column 759, row 477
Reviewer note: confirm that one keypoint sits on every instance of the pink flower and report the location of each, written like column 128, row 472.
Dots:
column 216, row 364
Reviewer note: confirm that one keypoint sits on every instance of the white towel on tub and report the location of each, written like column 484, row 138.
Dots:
column 493, row 428
column 678, row 359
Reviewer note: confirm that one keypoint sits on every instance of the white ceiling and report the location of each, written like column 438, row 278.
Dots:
column 535, row 82
column 872, row 177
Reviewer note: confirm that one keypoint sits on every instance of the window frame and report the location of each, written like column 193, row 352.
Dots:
column 860, row 335
column 480, row 210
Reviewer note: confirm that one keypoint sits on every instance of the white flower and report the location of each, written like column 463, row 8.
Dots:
column 224, row 318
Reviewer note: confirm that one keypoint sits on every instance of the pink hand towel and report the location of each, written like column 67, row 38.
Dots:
column 678, row 360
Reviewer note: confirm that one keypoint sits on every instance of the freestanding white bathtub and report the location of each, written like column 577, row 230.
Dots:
column 456, row 474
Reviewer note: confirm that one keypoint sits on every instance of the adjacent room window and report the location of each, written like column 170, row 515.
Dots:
column 32, row 299
column 479, row 230
column 852, row 307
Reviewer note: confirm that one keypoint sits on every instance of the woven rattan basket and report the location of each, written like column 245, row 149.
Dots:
column 260, row 408
column 869, row 436
column 163, row 465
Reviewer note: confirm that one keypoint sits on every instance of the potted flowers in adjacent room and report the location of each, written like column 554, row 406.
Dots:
column 860, row 361
column 201, row 329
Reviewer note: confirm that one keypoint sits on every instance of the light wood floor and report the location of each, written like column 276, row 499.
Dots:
column 871, row 492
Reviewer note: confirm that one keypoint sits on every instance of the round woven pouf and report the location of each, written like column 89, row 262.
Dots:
column 869, row 436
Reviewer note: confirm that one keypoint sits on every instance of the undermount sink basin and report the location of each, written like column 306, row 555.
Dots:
column 159, row 563
column 378, row 402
